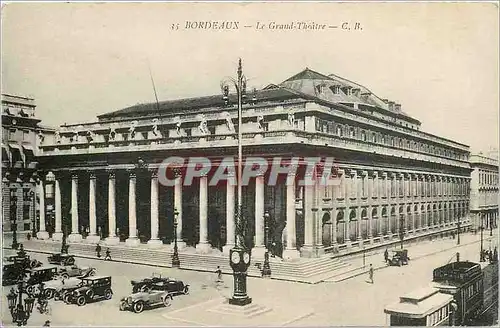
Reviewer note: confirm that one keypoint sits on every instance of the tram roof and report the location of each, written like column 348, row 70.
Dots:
column 421, row 308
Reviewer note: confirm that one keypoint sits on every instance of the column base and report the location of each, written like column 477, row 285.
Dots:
column 258, row 252
column 132, row 241
column 311, row 251
column 155, row 243
column 180, row 244
column 75, row 238
column 227, row 248
column 57, row 236
column 290, row 254
column 93, row 239
column 203, row 248
column 42, row 235
column 112, row 240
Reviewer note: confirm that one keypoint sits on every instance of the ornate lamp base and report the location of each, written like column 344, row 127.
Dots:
column 240, row 301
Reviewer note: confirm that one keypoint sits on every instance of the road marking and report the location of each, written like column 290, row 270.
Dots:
column 195, row 323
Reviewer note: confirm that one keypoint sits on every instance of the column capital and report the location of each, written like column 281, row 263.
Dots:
column 384, row 174
column 92, row 174
column 132, row 173
column 373, row 173
column 362, row 173
column 153, row 172
column 350, row 172
column 74, row 176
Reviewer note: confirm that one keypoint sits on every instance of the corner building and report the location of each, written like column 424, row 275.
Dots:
column 484, row 192
column 393, row 177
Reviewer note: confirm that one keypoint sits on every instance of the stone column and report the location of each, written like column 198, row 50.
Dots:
column 58, row 234
column 112, row 238
column 155, row 224
column 290, row 250
column 230, row 216
column 92, row 237
column 178, row 206
column 203, row 246
column 259, row 248
column 42, row 233
column 309, row 248
column 75, row 236
column 132, row 239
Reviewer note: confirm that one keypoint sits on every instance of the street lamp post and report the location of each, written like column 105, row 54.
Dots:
column 266, row 269
column 458, row 230
column 491, row 225
column 20, row 312
column 239, row 256
column 64, row 246
column 481, row 254
column 175, row 257
column 13, row 219
column 33, row 200
column 401, row 230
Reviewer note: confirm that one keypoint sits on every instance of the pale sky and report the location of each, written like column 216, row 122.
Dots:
column 439, row 60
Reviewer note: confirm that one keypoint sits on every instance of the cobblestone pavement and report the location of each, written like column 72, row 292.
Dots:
column 351, row 302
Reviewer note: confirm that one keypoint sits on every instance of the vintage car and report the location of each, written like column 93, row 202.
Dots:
column 39, row 275
column 11, row 273
column 157, row 282
column 61, row 259
column 56, row 288
column 93, row 288
column 137, row 302
column 399, row 257
column 23, row 260
column 74, row 271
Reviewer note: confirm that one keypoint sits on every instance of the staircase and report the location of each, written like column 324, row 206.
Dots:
column 301, row 270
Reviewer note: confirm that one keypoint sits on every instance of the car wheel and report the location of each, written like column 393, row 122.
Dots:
column 92, row 272
column 167, row 300
column 34, row 263
column 186, row 290
column 399, row 263
column 108, row 294
column 145, row 289
column 81, row 300
column 65, row 275
column 90, row 294
column 30, row 290
column 123, row 305
column 138, row 307
column 49, row 293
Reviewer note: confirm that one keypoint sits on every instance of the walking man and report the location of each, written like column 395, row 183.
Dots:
column 98, row 250
column 386, row 255
column 370, row 273
column 219, row 274
column 108, row 255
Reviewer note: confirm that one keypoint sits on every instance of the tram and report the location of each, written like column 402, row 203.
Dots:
column 422, row 307
column 461, row 293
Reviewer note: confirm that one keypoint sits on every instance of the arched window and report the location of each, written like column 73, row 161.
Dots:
column 392, row 141
column 363, row 135
column 352, row 133
column 339, row 131
column 374, row 137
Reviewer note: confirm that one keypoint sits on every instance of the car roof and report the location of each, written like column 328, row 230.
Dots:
column 48, row 267
column 97, row 277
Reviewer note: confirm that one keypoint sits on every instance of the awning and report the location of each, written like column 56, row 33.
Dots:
column 14, row 145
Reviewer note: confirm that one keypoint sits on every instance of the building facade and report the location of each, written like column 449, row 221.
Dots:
column 484, row 192
column 394, row 179
column 20, row 130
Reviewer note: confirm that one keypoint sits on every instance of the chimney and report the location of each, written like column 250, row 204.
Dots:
column 391, row 105
column 397, row 107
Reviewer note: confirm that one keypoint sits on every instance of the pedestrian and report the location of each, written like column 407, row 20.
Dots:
column 28, row 236
column 370, row 273
column 108, row 255
column 98, row 250
column 495, row 255
column 386, row 255
column 46, row 324
column 219, row 274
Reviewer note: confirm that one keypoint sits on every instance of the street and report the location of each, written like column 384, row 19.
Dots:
column 330, row 303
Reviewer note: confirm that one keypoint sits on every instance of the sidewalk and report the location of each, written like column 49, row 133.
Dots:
column 415, row 251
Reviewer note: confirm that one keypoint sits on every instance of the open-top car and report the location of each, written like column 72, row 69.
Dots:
column 56, row 288
column 399, row 257
column 137, row 302
column 75, row 271
column 92, row 288
column 23, row 260
column 157, row 282
column 61, row 259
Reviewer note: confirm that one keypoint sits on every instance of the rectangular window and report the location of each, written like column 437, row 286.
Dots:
column 363, row 186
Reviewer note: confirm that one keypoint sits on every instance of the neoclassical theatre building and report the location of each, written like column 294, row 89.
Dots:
column 393, row 176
